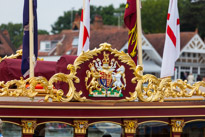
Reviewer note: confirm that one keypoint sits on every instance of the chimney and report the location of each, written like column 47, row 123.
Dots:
column 76, row 22
column 196, row 30
column 60, row 48
column 6, row 33
column 98, row 22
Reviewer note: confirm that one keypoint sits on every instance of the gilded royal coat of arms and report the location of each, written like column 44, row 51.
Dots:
column 105, row 78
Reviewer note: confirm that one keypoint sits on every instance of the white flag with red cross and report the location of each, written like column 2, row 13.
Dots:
column 172, row 40
column 84, row 34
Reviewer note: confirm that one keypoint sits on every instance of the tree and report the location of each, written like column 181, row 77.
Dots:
column 15, row 32
column 154, row 15
column 107, row 14
column 64, row 22
column 43, row 32
column 193, row 16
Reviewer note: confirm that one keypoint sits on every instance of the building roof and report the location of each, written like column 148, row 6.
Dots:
column 99, row 33
column 68, row 35
column 115, row 36
column 110, row 34
column 157, row 40
column 6, row 48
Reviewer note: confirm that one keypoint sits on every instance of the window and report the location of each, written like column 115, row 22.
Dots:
column 53, row 44
column 189, row 55
column 46, row 46
column 0, row 42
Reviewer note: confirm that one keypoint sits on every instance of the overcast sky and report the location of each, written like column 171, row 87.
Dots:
column 48, row 10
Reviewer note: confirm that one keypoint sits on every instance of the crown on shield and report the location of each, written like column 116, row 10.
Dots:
column 106, row 60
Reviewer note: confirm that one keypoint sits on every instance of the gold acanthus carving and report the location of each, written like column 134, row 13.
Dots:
column 85, row 56
column 64, row 78
column 151, row 88
column 29, row 91
column 148, row 87
column 13, row 56
column 130, row 126
column 28, row 126
column 177, row 125
column 80, row 126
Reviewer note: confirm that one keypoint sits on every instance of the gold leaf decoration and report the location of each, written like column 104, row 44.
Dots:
column 148, row 88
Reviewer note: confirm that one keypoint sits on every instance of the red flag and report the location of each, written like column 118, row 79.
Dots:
column 172, row 40
column 84, row 35
column 130, row 21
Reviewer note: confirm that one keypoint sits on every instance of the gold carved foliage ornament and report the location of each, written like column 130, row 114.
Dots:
column 105, row 77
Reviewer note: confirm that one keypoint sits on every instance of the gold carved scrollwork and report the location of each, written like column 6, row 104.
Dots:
column 80, row 126
column 28, row 126
column 181, row 88
column 130, row 126
column 64, row 78
column 177, row 125
column 151, row 88
column 15, row 56
column 27, row 87
column 18, row 53
column 148, row 87
column 20, row 89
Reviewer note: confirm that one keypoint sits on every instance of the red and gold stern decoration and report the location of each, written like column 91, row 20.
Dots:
column 104, row 74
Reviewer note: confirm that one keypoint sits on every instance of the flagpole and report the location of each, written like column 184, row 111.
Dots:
column 31, row 40
column 139, row 33
column 83, row 24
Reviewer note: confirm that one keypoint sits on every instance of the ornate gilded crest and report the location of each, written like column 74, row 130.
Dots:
column 107, row 78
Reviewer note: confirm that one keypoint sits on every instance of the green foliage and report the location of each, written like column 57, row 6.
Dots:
column 192, row 16
column 154, row 15
column 64, row 22
column 107, row 14
column 43, row 32
column 15, row 32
